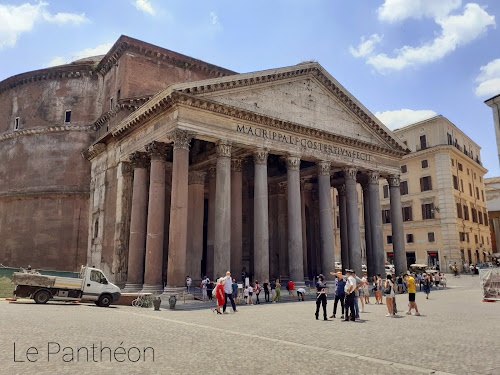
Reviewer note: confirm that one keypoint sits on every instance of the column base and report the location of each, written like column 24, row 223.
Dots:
column 132, row 287
column 152, row 288
column 174, row 290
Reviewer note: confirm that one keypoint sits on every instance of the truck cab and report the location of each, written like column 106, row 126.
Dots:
column 97, row 288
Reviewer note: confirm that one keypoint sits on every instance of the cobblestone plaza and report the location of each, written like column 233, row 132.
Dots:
column 457, row 333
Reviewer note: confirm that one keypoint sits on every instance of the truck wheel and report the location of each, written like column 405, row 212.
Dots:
column 104, row 300
column 42, row 296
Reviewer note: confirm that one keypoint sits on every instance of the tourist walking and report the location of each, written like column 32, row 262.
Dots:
column 350, row 285
column 266, row 290
column 245, row 295
column 278, row 291
column 272, row 285
column 250, row 294
column 219, row 295
column 321, row 296
column 339, row 296
column 400, row 284
column 290, row 290
column 210, row 288
column 234, row 287
column 366, row 290
column 228, row 291
column 204, row 285
column 410, row 282
column 189, row 281
column 389, row 295
column 427, row 285
column 437, row 279
column 257, row 289
column 378, row 284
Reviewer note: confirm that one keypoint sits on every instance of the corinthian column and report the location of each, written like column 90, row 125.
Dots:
column 138, row 222
column 353, row 220
column 376, row 227
column 368, row 227
column 325, row 220
column 295, row 250
column 261, row 217
column 156, row 217
column 222, row 240
column 344, row 236
column 177, row 245
column 236, row 218
column 398, row 236
column 196, row 201
column 211, row 221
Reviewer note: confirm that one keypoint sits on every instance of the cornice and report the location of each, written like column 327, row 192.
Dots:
column 157, row 105
column 50, row 129
column 130, row 104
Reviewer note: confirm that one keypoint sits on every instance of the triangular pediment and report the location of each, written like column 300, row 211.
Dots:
column 304, row 94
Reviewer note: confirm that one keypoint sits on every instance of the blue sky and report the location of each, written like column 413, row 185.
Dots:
column 403, row 59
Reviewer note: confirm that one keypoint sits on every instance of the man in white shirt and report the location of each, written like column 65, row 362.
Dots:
column 301, row 292
column 189, row 281
column 228, row 292
column 349, row 289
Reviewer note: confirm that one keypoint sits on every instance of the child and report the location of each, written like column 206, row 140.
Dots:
column 250, row 293
column 245, row 294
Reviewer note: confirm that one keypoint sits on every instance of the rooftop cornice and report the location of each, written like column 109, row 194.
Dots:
column 44, row 130
column 130, row 104
column 156, row 106
column 63, row 71
column 125, row 43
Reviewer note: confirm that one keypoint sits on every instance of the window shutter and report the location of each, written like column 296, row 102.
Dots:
column 421, row 184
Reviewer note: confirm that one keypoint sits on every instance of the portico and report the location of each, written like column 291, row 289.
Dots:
column 247, row 164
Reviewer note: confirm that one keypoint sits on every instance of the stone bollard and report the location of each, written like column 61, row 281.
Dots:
column 172, row 300
column 157, row 303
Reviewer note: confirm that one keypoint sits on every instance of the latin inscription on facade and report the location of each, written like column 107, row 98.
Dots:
column 302, row 142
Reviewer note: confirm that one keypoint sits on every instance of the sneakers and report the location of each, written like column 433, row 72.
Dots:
column 388, row 315
column 332, row 317
column 416, row 314
column 362, row 310
column 408, row 313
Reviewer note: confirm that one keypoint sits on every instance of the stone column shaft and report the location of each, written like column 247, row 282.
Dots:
column 211, row 221
column 326, row 223
column 261, row 217
column 378, row 255
column 156, row 217
column 398, row 236
column 196, row 198
column 222, row 238
column 236, row 218
column 353, row 220
column 138, row 223
column 177, row 245
column 304, row 230
column 368, row 228
column 295, row 249
column 344, row 237
column 283, row 231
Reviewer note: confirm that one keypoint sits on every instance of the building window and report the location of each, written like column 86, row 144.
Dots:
column 474, row 214
column 460, row 168
column 409, row 238
column 424, row 163
column 482, row 195
column 404, row 169
column 404, row 187
column 425, row 183
column 423, row 142
column 468, row 174
column 67, row 117
column 466, row 212
column 16, row 123
column 386, row 216
column 430, row 237
column 450, row 139
column 475, row 238
column 455, row 182
column 452, row 162
column 428, row 211
column 474, row 175
column 461, row 236
column 462, row 185
column 477, row 192
column 407, row 214
column 389, row 239
column 385, row 189
column 459, row 211
column 485, row 218
column 111, row 104
column 480, row 217
column 118, row 94
column 470, row 189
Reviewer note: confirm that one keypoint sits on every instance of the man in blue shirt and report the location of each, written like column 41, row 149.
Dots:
column 339, row 296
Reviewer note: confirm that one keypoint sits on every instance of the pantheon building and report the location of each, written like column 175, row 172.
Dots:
column 152, row 166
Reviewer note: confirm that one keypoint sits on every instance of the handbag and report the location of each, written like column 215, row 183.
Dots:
column 387, row 290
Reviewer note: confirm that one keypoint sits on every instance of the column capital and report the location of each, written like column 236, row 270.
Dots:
column 181, row 138
column 196, row 178
column 350, row 173
column 260, row 156
column 324, row 168
column 236, row 164
column 157, row 150
column 293, row 162
column 394, row 180
column 212, row 172
column 373, row 178
column 139, row 159
column 223, row 149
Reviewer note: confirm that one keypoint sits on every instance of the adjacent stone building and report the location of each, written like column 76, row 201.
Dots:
column 189, row 168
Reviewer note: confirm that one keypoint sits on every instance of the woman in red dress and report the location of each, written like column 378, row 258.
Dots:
column 219, row 293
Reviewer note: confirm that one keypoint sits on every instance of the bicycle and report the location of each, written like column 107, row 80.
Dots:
column 143, row 300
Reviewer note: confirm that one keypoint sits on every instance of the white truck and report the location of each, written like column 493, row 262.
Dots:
column 91, row 285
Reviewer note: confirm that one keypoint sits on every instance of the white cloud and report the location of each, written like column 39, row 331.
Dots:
column 101, row 49
column 396, row 119
column 18, row 19
column 144, row 6
column 489, row 79
column 214, row 17
column 456, row 30
column 366, row 46
column 399, row 10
